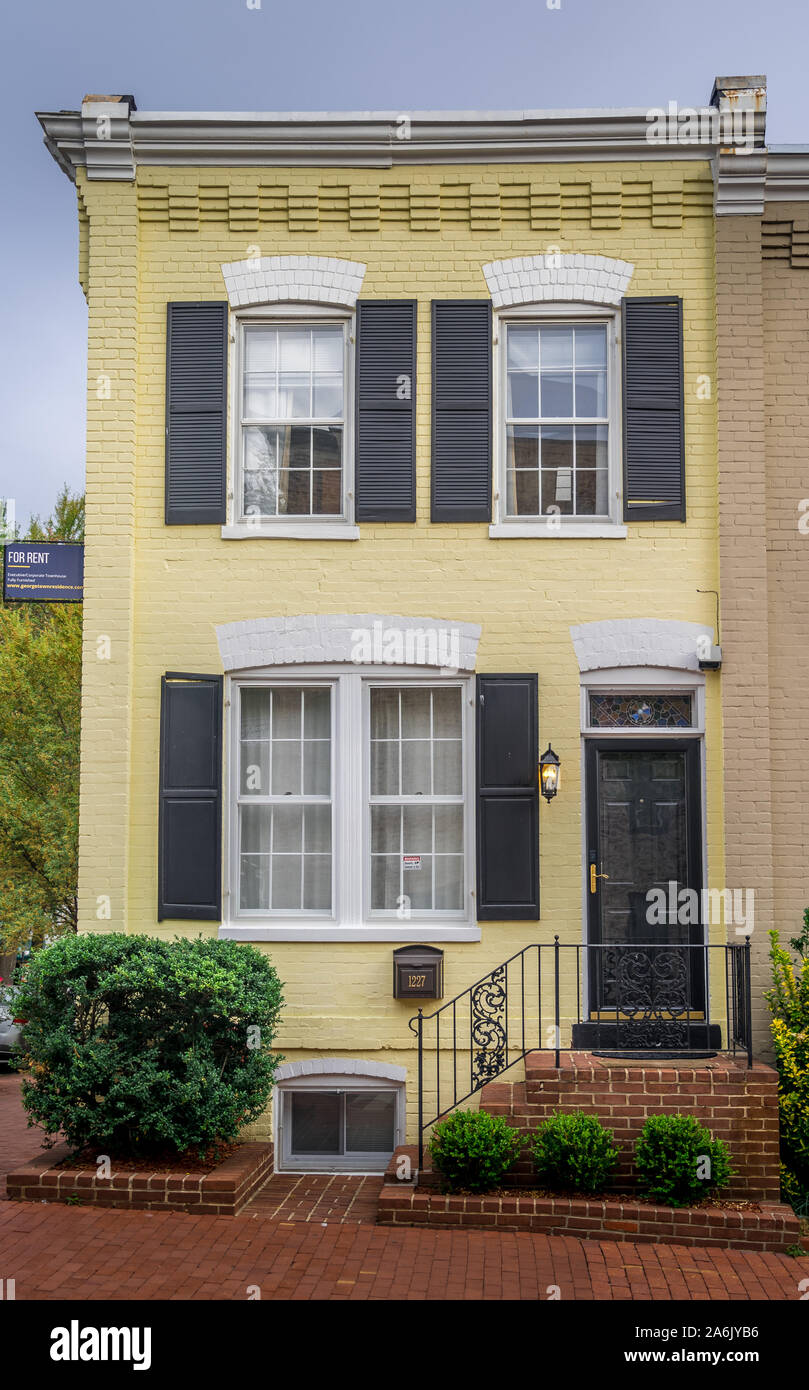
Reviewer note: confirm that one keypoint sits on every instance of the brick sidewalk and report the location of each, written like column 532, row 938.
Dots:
column 61, row 1252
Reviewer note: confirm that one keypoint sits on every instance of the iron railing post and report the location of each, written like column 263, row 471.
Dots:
column 748, row 1004
column 421, row 1094
column 556, row 1028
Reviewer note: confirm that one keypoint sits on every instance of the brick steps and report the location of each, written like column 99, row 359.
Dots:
column 737, row 1104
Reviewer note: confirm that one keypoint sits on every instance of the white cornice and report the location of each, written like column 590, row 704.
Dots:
column 373, row 139
column 787, row 178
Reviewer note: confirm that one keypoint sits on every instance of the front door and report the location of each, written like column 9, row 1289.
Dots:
column 644, row 833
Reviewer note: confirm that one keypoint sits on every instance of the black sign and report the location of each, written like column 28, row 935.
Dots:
column 43, row 572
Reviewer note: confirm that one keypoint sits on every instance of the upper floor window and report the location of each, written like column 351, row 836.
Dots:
column 557, row 420
column 293, row 413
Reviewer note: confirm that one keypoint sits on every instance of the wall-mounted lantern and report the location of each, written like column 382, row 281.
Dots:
column 550, row 773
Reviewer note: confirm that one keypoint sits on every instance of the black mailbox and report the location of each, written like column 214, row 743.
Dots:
column 418, row 972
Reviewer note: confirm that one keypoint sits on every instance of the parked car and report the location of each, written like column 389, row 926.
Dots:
column 10, row 1029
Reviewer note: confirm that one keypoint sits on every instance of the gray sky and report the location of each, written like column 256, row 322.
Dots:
column 310, row 55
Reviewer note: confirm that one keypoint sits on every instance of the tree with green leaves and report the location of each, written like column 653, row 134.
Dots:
column 40, row 691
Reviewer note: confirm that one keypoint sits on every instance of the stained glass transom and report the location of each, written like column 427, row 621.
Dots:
column 641, row 711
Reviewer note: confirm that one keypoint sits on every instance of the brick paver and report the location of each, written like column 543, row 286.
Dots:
column 59, row 1252
column 316, row 1197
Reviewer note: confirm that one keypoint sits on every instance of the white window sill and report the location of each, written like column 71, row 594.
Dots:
column 370, row 931
column 292, row 531
column 542, row 530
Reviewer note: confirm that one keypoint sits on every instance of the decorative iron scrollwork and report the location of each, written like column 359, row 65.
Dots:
column 488, row 1028
column 651, row 998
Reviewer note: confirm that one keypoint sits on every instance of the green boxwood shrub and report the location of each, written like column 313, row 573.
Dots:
column 789, row 1002
column 137, row 1045
column 574, row 1153
column 670, row 1156
column 473, row 1151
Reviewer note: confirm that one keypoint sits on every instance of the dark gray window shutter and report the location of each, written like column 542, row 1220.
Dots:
column 507, row 799
column 654, row 429
column 385, row 472
column 190, row 822
column 196, row 414
column 462, row 410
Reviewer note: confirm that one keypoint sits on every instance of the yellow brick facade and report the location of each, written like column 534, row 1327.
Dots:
column 154, row 594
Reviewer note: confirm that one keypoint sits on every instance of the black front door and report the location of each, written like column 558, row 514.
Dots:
column 644, row 834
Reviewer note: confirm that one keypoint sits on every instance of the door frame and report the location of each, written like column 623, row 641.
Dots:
column 692, row 746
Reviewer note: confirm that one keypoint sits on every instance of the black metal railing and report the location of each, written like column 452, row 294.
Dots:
column 631, row 1000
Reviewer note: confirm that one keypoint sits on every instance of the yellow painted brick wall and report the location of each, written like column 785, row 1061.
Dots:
column 422, row 232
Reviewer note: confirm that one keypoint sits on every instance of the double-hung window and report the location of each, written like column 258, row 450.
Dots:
column 293, row 420
column 558, row 393
column 351, row 804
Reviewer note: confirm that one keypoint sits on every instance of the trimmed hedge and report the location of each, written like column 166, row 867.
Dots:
column 138, row 1045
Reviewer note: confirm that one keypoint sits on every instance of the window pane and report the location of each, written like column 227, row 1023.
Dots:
column 386, row 829
column 327, row 497
column 384, row 713
column 523, row 395
column 260, row 361
column 448, row 829
column 327, row 400
column 557, row 394
column 294, row 396
column 316, row 767
column 370, row 1121
column 523, row 348
column 286, row 769
column 287, row 828
column 415, row 714
column 523, row 446
column 418, row 830
column 256, row 822
column 417, row 883
column 591, row 446
column 317, row 829
column 555, row 348
column 316, row 1122
column 448, row 771
column 447, row 712
column 316, row 716
column 523, row 494
column 286, row 882
column 385, row 871
column 448, row 883
column 591, row 393
column 591, row 346
column 255, row 768
column 255, row 713
column 416, row 767
column 591, row 492
column 295, row 354
column 286, row 713
column 557, row 491
column 557, row 446
column 317, row 882
column 254, row 882
column 294, row 493
column 327, row 447
column 328, row 346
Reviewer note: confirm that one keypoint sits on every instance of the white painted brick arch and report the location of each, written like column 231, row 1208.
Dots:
column 638, row 642
column 330, row 637
column 291, row 279
column 557, row 278
column 339, row 1066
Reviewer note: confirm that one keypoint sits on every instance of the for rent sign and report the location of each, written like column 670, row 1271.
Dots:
column 43, row 572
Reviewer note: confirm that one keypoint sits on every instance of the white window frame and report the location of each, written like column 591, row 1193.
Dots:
column 371, row 1164
column 539, row 528
column 350, row 918
column 240, row 527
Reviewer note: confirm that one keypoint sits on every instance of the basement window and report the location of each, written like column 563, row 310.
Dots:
column 349, row 1128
